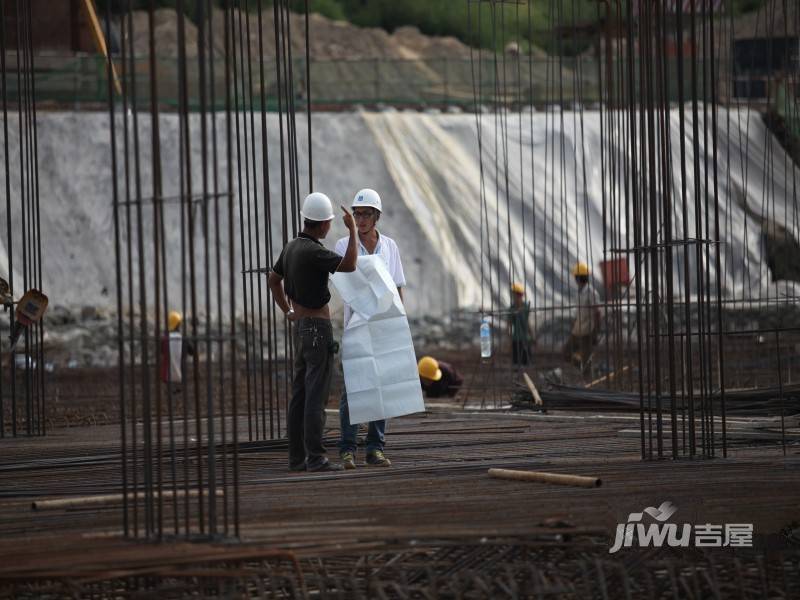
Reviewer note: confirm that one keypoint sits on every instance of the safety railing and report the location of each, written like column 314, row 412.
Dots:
column 79, row 81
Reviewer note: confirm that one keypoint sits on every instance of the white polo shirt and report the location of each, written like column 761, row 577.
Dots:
column 387, row 250
column 175, row 357
column 586, row 301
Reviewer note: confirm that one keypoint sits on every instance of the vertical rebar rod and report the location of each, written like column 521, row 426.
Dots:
column 9, row 245
column 118, row 274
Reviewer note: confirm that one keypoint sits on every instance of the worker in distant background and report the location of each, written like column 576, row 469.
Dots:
column 586, row 326
column 521, row 337
column 300, row 277
column 6, row 298
column 172, row 347
column 438, row 378
column 367, row 208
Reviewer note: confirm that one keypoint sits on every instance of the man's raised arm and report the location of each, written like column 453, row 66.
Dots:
column 348, row 264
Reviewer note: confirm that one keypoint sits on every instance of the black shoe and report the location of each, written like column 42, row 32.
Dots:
column 327, row 466
column 298, row 468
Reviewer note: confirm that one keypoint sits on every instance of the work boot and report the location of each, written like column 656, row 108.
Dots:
column 377, row 459
column 348, row 460
column 324, row 467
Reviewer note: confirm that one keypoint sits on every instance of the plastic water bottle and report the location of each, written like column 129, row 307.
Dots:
column 486, row 338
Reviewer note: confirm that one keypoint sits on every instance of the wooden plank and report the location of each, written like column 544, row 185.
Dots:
column 537, row 399
column 540, row 477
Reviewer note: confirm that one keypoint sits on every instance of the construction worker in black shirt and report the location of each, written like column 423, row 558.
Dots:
column 299, row 285
column 438, row 378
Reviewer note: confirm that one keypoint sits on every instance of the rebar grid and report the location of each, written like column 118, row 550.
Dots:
column 553, row 567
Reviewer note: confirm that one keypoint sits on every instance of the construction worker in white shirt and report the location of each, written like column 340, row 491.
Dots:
column 586, row 327
column 172, row 353
column 367, row 208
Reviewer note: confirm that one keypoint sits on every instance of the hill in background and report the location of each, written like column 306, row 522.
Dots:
column 330, row 39
column 468, row 22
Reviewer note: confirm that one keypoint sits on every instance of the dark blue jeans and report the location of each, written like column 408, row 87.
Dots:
column 375, row 433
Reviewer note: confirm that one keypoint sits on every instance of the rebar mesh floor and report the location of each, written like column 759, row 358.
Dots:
column 431, row 525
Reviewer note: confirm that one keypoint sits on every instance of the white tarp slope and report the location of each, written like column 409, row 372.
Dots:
column 426, row 169
column 76, row 201
column 559, row 177
column 4, row 262
column 380, row 367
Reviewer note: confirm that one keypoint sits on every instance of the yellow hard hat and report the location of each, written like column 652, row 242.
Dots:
column 174, row 320
column 429, row 368
column 517, row 288
column 581, row 269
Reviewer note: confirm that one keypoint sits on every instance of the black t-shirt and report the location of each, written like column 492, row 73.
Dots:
column 304, row 265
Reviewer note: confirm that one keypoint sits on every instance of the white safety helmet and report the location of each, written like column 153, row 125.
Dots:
column 317, row 207
column 368, row 198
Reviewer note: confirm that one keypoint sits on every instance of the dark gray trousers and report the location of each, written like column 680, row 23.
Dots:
column 305, row 421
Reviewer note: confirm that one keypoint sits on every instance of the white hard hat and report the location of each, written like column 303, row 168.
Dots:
column 317, row 207
column 369, row 198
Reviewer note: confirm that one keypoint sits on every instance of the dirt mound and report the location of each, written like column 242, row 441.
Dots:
column 411, row 40
column 330, row 40
column 165, row 28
